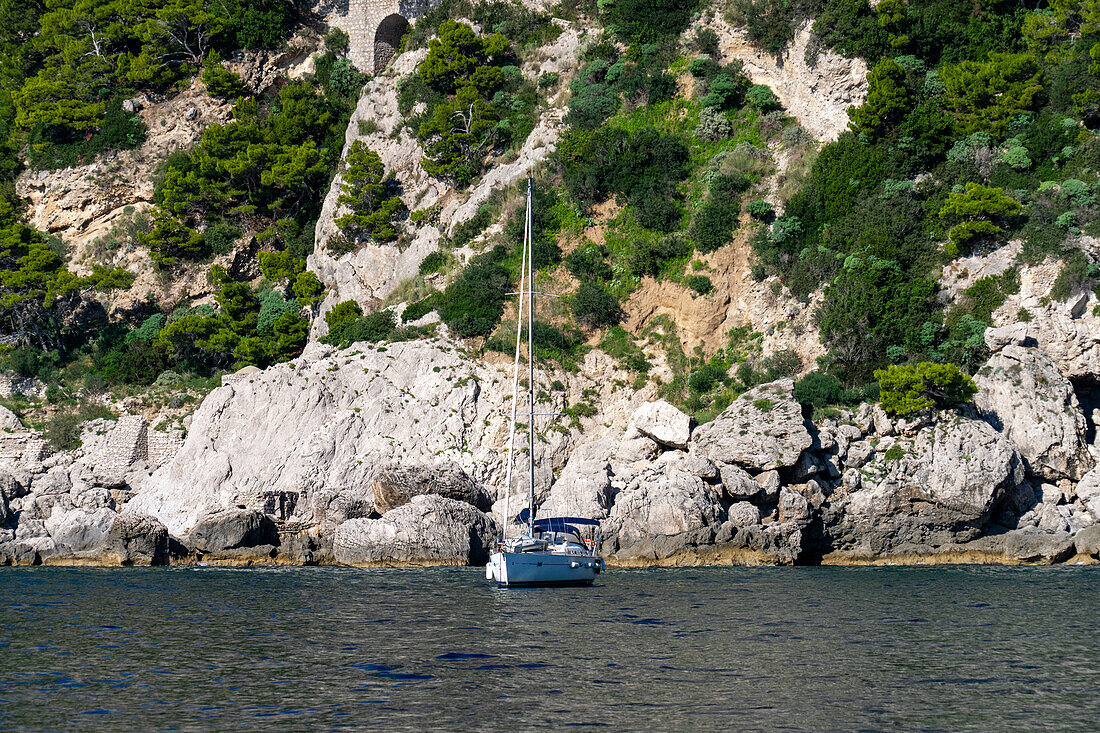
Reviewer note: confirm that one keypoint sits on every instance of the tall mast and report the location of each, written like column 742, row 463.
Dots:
column 531, row 353
column 515, row 389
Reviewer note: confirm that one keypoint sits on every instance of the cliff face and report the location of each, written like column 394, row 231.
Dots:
column 817, row 91
column 377, row 455
column 371, row 273
column 395, row 453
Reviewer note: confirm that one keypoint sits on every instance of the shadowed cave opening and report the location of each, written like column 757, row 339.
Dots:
column 1087, row 389
column 387, row 39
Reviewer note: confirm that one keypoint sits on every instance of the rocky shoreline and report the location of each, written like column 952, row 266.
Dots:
column 393, row 455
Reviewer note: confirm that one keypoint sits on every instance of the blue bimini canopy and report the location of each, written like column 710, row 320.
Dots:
column 555, row 524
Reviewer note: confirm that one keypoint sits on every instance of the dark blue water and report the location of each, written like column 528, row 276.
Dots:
column 951, row 649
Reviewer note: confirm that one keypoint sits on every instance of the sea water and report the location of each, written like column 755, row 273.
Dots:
column 313, row 649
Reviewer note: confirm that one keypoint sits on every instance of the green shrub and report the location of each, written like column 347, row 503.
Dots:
column 345, row 80
column 911, row 388
column 727, row 90
column 704, row 378
column 220, row 81
column 893, row 453
column 658, row 257
column 374, row 209
column 280, row 266
column 818, row 389
column 700, row 284
column 372, row 327
column 589, row 263
column 644, row 165
column 464, row 232
column 763, row 404
column 272, row 306
column 650, row 21
column 987, row 95
column 593, row 306
column 977, row 208
column 713, row 226
column 434, row 262
column 343, row 312
column 170, row 240
column 337, row 41
column 1075, row 276
column 419, row 309
column 887, row 100
column 591, row 104
column 619, row 344
column 713, row 125
column 761, row 210
column 706, row 39
column 308, row 290
column 221, row 238
column 852, row 27
column 473, row 303
column 763, row 98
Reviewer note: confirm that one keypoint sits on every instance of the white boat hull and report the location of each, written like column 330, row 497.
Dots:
column 512, row 569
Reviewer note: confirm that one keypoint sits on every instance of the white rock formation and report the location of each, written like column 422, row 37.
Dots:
column 762, row 430
column 428, row 530
column 372, row 272
column 942, row 487
column 304, row 433
column 663, row 423
column 1022, row 394
column 818, row 96
column 664, row 500
column 8, row 420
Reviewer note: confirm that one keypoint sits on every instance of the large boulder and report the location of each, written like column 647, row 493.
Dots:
column 289, row 439
column 663, row 423
column 773, row 543
column 762, row 430
column 1022, row 394
column 135, row 539
column 739, row 485
column 78, row 532
column 8, row 420
column 1088, row 492
column 428, row 530
column 584, row 487
column 663, row 499
column 396, row 485
column 937, row 486
column 1034, row 545
column 743, row 514
column 231, row 529
column 1087, row 541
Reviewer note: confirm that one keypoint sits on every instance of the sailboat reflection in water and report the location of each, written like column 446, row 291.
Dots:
column 550, row 551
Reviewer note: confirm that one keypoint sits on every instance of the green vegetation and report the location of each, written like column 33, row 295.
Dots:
column 477, row 101
column 979, row 127
column 68, row 67
column 974, row 127
column 67, row 72
column 64, row 428
column 364, row 192
column 907, row 389
column 893, row 453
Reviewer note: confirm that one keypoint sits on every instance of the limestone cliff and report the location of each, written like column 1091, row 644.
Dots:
column 395, row 453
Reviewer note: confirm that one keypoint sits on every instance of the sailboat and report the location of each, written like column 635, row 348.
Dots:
column 549, row 550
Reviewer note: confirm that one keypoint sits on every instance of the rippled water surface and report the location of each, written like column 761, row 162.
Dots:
column 948, row 649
